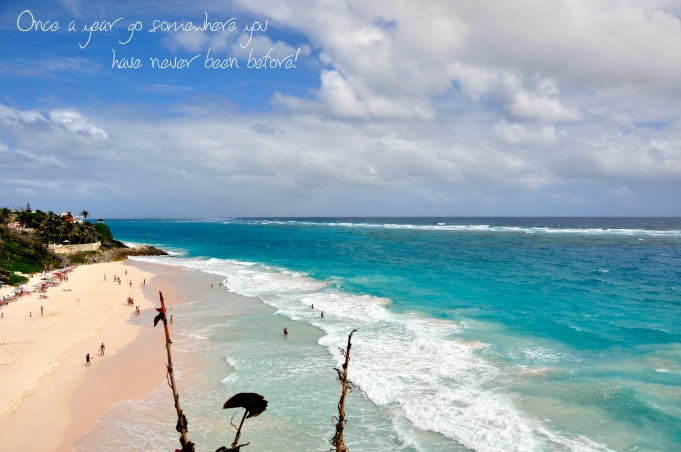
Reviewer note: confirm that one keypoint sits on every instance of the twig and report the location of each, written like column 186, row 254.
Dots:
column 181, row 427
column 337, row 439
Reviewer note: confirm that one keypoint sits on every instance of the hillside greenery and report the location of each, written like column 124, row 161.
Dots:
column 26, row 250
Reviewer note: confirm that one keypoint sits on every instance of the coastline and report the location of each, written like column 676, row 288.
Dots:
column 49, row 397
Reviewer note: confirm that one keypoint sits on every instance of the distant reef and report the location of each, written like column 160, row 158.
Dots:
column 26, row 237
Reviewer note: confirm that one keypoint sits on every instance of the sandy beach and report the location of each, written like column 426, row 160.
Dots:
column 48, row 396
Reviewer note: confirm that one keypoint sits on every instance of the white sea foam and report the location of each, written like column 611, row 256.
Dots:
column 477, row 228
column 411, row 366
column 541, row 355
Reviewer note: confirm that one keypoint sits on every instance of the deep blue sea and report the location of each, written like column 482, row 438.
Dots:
column 488, row 334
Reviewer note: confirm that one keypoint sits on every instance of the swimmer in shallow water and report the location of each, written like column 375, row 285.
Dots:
column 285, row 332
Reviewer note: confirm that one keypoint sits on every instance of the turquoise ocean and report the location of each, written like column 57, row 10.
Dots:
column 485, row 334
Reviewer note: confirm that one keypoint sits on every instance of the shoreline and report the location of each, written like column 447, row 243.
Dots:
column 49, row 397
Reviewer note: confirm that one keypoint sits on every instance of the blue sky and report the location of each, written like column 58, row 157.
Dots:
column 393, row 108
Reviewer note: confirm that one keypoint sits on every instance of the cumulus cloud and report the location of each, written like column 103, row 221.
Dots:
column 74, row 122
column 409, row 52
column 13, row 117
column 432, row 100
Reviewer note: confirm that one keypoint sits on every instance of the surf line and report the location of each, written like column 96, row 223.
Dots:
column 162, row 25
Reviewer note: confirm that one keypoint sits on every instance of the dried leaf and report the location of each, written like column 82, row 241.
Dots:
column 254, row 403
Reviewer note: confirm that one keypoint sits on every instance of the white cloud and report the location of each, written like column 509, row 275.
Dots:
column 14, row 117
column 411, row 51
column 431, row 98
column 74, row 122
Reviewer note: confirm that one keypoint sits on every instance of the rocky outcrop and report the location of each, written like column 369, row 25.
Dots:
column 112, row 255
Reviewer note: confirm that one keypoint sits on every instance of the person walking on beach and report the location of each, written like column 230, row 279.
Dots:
column 126, row 273
column 2, row 315
column 41, row 310
column 171, row 319
column 101, row 349
column 87, row 359
column 30, row 314
column 285, row 332
column 131, row 283
column 211, row 286
column 119, row 281
column 104, row 277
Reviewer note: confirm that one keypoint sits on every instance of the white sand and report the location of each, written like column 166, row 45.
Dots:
column 45, row 386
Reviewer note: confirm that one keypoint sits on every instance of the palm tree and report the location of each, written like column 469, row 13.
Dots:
column 85, row 213
column 69, row 230
column 4, row 215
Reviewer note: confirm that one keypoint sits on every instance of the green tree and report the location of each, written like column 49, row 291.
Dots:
column 85, row 213
column 69, row 230
column 4, row 215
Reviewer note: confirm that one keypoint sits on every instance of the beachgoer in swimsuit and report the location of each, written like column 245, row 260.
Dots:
column 322, row 314
column 101, row 350
column 104, row 277
column 87, row 359
column 41, row 310
column 171, row 319
column 312, row 307
column 285, row 332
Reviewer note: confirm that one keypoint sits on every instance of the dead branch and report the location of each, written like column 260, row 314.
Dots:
column 181, row 427
column 337, row 441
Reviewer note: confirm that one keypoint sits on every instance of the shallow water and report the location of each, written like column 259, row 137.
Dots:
column 505, row 334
